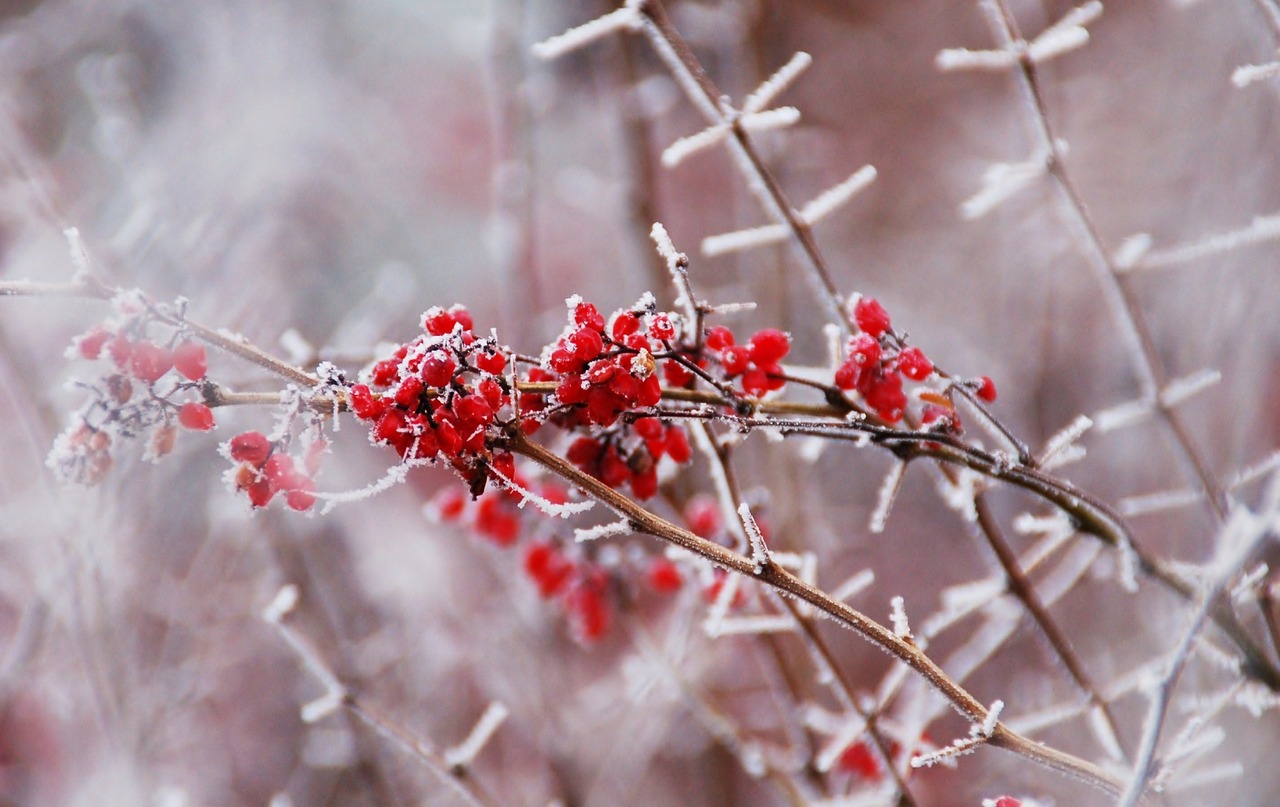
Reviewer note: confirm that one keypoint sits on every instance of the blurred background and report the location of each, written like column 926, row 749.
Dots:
column 326, row 171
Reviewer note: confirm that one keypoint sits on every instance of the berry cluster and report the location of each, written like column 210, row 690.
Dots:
column 756, row 362
column 438, row 395
column 154, row 366
column 264, row 469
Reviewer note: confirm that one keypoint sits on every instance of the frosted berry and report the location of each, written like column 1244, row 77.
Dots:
column 586, row 315
column 251, row 447
column 90, row 345
column 664, row 576
column 661, row 327
column 196, row 417
column 190, row 360
column 914, row 364
column 986, row 390
column 148, row 362
column 719, row 337
column 871, row 316
column 769, row 346
column 492, row 363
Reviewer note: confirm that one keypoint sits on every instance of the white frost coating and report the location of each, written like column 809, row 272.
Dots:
column 285, row 601
column 1160, row 500
column 323, row 706
column 829, row 200
column 855, row 585
column 884, row 499
column 1104, row 734
column 759, row 551
column 715, row 134
column 1063, row 577
column 988, row 726
column 676, row 153
column 952, row 59
column 966, row 598
column 1121, row 415
column 738, row 240
column 394, row 476
column 1180, row 389
column 463, row 754
column 1065, row 437
column 1247, row 74
column 947, row 754
column 1262, row 228
column 817, row 209
column 762, row 623
column 625, row 18
column 1001, row 181
column 1130, row 251
column 1056, row 41
column 621, row 527
column 1200, row 777
column 898, row 616
column 959, row 494
column 1246, row 588
column 1002, row 620
column 79, row 255
column 774, row 85
column 546, row 506
column 720, row 607
column 1045, row 718
column 1255, row 471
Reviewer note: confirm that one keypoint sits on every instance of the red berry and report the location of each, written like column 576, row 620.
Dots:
column 884, row 394
column 1008, row 801
column 409, row 393
column 675, row 373
column 865, row 350
column 90, row 345
column 645, row 484
column 384, row 372
column 871, row 316
column 363, row 404
column 847, row 375
column 438, row 322
column 196, row 417
column 586, row 315
column 189, row 359
column 914, row 364
column 719, row 337
column 769, row 346
column 662, row 328
column 702, row 515
column 149, row 361
column 624, row 324
column 121, row 350
column 858, row 758
column 473, row 411
column 736, row 359
column 986, row 389
column 463, row 318
column 450, row 503
column 583, row 452
column 590, row 610
column 664, row 576
column 678, row 445
column 648, row 428
column 437, row 370
column 250, row 447
column 279, row 469
column 492, row 363
column 299, row 499
column 755, row 382
column 588, row 344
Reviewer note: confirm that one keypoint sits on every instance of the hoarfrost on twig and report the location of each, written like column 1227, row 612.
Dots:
column 1158, row 501
column 755, row 624
column 759, row 551
column 621, row 527
column 1180, row 389
column 464, row 753
column 854, row 585
column 1260, row 230
column 898, row 615
column 774, row 85
column 1246, row 74
column 625, row 18
column 884, row 499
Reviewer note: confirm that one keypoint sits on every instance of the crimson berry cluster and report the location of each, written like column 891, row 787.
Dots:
column 156, row 370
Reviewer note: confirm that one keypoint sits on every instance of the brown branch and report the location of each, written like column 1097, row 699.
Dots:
column 642, row 521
